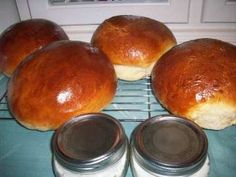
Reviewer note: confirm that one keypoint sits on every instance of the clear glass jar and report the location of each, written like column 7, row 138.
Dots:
column 90, row 145
column 166, row 145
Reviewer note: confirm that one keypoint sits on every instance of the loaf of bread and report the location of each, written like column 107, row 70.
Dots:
column 197, row 80
column 60, row 81
column 133, row 44
column 23, row 38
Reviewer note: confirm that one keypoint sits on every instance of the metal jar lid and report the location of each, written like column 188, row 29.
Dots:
column 169, row 145
column 89, row 142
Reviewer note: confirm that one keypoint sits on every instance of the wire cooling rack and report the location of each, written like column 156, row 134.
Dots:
column 134, row 101
column 4, row 112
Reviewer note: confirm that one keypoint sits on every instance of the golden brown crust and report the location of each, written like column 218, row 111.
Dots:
column 196, row 72
column 62, row 80
column 133, row 40
column 23, row 38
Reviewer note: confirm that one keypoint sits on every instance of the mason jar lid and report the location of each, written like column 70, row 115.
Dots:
column 169, row 145
column 89, row 142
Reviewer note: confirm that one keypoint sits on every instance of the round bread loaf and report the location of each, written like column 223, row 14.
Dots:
column 59, row 81
column 197, row 80
column 133, row 44
column 23, row 38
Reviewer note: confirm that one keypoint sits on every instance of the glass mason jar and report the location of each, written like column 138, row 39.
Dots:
column 90, row 145
column 169, row 146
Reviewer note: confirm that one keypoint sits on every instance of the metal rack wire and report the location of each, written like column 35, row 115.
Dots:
column 4, row 112
column 133, row 102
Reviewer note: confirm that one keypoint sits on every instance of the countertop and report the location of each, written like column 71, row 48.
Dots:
column 27, row 153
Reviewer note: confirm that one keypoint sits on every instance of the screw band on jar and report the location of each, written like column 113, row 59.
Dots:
column 169, row 145
column 89, row 143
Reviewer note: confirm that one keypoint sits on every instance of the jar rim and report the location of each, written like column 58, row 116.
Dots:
column 94, row 158
column 158, row 157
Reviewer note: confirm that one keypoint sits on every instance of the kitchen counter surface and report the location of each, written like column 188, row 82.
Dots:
column 27, row 153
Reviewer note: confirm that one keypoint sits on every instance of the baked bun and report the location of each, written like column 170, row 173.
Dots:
column 62, row 80
column 197, row 80
column 133, row 44
column 23, row 38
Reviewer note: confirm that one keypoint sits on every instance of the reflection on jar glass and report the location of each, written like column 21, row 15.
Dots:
column 169, row 146
column 90, row 145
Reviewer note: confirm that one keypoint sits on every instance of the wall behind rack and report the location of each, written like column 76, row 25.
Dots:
column 8, row 14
